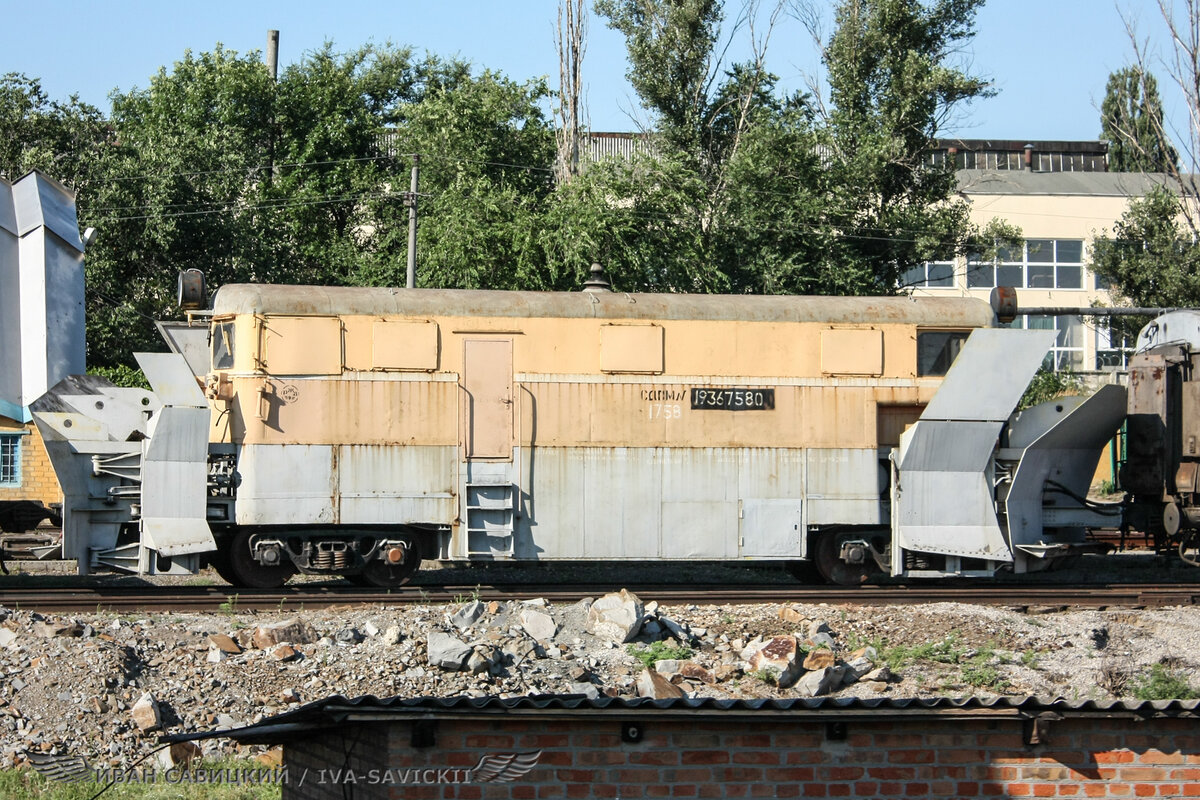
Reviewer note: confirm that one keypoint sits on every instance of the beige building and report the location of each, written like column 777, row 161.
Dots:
column 1059, row 213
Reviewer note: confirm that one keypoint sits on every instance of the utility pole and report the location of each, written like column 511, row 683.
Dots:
column 273, row 69
column 410, row 200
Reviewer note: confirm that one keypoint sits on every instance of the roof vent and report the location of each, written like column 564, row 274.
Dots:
column 597, row 280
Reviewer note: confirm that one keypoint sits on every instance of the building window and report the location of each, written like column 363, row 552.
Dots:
column 1037, row 264
column 930, row 273
column 1066, row 354
column 10, row 459
column 1114, row 345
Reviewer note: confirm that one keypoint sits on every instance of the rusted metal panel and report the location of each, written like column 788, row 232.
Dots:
column 771, row 528
column 371, row 409
column 301, row 345
column 291, row 484
column 846, row 351
column 631, row 348
column 1144, row 472
column 844, row 486
column 487, row 399
column 675, row 503
column 387, row 485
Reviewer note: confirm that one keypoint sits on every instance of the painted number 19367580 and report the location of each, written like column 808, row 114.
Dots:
column 734, row 399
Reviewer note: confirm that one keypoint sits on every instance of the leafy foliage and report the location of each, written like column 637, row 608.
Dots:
column 214, row 165
column 1131, row 118
column 1047, row 385
column 1150, row 258
column 658, row 651
column 1162, row 683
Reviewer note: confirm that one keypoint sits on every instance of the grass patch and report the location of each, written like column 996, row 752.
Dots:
column 26, row 784
column 1161, row 683
column 659, row 651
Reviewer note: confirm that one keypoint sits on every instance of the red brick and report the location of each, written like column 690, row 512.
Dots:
column 756, row 757
column 789, row 774
column 912, row 756
column 662, row 757
column 740, row 774
column 575, row 775
column 960, row 756
column 1133, row 774
column 749, row 740
column 1113, row 757
column 967, row 788
column 648, row 775
column 683, row 790
column 866, row 788
column 705, row 757
column 1143, row 790
column 892, row 773
column 815, row 790
column 917, row 789
column 1068, row 789
column 1044, row 790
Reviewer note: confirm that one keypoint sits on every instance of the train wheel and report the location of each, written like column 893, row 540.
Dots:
column 250, row 573
column 221, row 564
column 387, row 574
column 833, row 568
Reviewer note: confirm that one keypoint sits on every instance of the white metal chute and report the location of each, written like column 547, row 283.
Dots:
column 943, row 500
column 175, row 461
column 1062, row 458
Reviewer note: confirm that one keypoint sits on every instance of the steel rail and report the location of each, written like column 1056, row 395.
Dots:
column 230, row 599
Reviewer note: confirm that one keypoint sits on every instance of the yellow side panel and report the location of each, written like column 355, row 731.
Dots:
column 852, row 352
column 302, row 345
column 404, row 346
column 631, row 348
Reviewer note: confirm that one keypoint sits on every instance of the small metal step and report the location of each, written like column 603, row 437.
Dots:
column 490, row 510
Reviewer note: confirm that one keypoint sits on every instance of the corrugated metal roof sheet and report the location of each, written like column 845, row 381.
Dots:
column 342, row 710
column 1094, row 184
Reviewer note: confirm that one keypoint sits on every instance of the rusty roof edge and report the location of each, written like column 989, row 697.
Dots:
column 338, row 710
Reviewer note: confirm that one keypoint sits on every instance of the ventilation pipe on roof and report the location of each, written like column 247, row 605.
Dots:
column 1029, row 156
column 597, row 280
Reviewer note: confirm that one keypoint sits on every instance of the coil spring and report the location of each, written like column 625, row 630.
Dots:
column 331, row 555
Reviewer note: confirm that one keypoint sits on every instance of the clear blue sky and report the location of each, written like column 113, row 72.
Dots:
column 1049, row 59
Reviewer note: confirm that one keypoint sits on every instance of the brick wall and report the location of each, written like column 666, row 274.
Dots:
column 942, row 757
column 38, row 481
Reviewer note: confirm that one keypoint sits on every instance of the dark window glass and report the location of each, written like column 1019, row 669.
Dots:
column 1070, row 277
column 1009, row 275
column 1070, row 251
column 222, row 346
column 913, row 277
column 941, row 274
column 1041, row 276
column 980, row 275
column 936, row 350
column 1041, row 251
column 10, row 459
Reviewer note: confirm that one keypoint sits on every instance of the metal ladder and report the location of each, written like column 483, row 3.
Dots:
column 490, row 516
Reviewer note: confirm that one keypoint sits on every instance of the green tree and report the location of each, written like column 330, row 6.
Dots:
column 1151, row 257
column 1131, row 119
column 178, row 191
column 62, row 139
column 892, row 86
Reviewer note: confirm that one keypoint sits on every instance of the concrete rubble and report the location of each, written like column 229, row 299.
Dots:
column 106, row 685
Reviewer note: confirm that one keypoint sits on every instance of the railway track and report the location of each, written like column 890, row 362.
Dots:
column 212, row 599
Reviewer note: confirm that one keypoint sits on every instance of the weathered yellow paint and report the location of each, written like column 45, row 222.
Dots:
column 631, row 348
column 851, row 352
column 562, row 392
